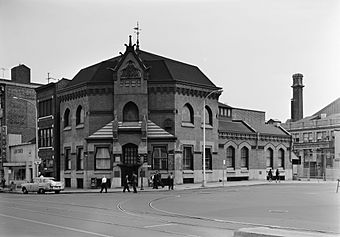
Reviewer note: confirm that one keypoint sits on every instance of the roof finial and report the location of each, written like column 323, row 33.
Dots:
column 130, row 41
column 137, row 31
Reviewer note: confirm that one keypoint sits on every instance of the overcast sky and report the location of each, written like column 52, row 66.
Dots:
column 251, row 48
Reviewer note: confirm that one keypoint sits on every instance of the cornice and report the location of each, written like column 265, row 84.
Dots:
column 174, row 89
column 76, row 94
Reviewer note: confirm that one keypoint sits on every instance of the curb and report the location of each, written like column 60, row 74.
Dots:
column 278, row 232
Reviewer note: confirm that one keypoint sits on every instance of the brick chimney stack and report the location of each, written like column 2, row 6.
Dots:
column 297, row 101
column 21, row 74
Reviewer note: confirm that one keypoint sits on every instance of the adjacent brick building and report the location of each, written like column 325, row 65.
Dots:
column 17, row 116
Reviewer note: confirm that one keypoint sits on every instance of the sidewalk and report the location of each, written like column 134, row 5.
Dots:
column 184, row 186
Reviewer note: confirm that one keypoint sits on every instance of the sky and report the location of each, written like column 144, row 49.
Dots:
column 250, row 48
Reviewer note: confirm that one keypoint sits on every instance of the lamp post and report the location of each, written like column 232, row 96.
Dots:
column 36, row 160
column 214, row 91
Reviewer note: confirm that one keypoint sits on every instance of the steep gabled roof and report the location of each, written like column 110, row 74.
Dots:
column 173, row 70
column 332, row 108
column 99, row 72
column 234, row 126
column 160, row 68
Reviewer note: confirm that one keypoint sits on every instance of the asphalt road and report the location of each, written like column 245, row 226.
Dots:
column 201, row 212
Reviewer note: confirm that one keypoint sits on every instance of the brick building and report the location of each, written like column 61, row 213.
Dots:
column 315, row 137
column 49, row 127
column 17, row 116
column 140, row 112
column 250, row 146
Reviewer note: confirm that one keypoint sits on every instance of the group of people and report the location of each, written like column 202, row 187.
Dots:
column 156, row 181
column 270, row 175
column 133, row 182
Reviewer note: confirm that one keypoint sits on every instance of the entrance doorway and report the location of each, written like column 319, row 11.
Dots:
column 128, row 170
column 130, row 162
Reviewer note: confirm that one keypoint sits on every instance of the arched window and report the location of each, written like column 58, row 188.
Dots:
column 269, row 158
column 244, row 157
column 67, row 119
column 208, row 116
column 79, row 115
column 130, row 112
column 187, row 114
column 281, row 158
column 230, row 157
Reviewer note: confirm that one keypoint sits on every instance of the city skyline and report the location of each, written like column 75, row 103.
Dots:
column 249, row 48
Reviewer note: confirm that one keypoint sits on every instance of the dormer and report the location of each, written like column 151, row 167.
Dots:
column 130, row 72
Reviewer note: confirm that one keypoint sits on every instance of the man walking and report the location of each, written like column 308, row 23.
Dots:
column 103, row 185
column 134, row 182
column 126, row 183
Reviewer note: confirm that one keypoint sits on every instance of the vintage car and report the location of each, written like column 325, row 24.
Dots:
column 42, row 184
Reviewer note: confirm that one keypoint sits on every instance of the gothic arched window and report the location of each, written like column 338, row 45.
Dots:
column 269, row 158
column 130, row 112
column 67, row 119
column 187, row 114
column 208, row 116
column 79, row 115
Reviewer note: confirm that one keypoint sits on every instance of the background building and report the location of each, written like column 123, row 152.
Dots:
column 314, row 137
column 17, row 116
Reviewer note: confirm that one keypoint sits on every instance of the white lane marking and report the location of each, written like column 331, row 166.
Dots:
column 278, row 211
column 152, row 226
column 57, row 226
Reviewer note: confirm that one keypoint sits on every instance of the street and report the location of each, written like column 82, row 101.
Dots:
column 198, row 212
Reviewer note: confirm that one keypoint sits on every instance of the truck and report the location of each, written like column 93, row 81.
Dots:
column 42, row 184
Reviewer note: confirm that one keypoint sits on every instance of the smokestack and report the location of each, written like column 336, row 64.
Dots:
column 297, row 101
column 21, row 74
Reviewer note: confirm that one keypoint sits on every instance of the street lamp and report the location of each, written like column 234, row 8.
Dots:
column 36, row 131
column 214, row 91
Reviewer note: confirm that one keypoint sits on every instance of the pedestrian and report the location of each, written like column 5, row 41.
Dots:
column 134, row 182
column 171, row 181
column 277, row 175
column 103, row 185
column 126, row 183
column 270, row 175
column 3, row 182
column 155, row 181
column 159, row 179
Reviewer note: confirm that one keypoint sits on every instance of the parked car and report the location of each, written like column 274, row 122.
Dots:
column 42, row 185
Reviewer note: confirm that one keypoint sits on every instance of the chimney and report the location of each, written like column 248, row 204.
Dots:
column 21, row 74
column 297, row 101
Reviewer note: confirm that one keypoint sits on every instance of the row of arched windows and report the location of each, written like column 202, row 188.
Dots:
column 188, row 114
column 130, row 114
column 80, row 115
column 230, row 157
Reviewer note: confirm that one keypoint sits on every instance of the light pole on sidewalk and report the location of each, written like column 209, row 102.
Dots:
column 36, row 159
column 214, row 91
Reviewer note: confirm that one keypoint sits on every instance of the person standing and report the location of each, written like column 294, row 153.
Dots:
column 103, row 185
column 270, row 175
column 155, row 181
column 277, row 174
column 126, row 183
column 134, row 182
column 171, row 181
